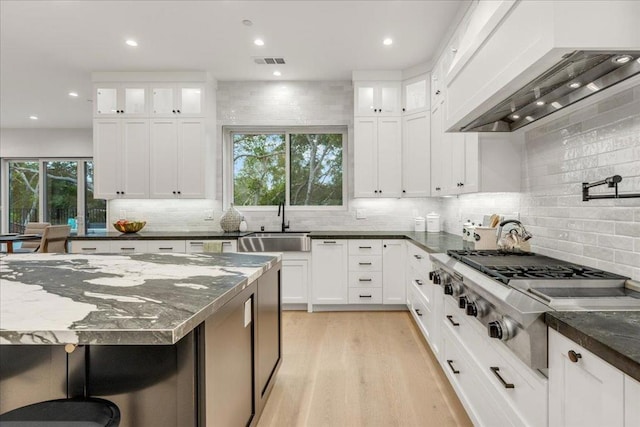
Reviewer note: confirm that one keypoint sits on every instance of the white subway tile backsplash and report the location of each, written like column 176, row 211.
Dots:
column 588, row 145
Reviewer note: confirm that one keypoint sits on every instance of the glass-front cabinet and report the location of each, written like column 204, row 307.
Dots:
column 377, row 98
column 177, row 100
column 121, row 99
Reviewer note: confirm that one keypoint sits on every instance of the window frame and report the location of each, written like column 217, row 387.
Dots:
column 42, row 202
column 227, row 163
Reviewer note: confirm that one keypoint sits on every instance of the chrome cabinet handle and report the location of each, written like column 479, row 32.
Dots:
column 453, row 322
column 454, row 370
column 496, row 372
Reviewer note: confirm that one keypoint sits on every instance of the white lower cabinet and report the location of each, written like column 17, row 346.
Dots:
column 90, row 246
column 146, row 246
column 631, row 402
column 584, row 390
column 129, row 246
column 329, row 271
column 177, row 246
column 197, row 246
column 295, row 277
column 394, row 289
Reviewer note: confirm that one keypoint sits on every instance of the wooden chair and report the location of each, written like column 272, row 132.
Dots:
column 33, row 228
column 54, row 239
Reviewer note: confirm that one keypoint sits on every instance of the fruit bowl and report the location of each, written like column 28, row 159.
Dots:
column 125, row 226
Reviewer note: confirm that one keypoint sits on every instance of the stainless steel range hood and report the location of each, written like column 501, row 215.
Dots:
column 577, row 76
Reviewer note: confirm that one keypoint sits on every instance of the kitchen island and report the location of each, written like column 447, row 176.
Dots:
column 172, row 339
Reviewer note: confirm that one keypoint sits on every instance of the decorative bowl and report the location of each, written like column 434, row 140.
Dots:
column 125, row 226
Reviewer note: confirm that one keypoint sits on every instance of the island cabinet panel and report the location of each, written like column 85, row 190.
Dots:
column 229, row 346
column 269, row 330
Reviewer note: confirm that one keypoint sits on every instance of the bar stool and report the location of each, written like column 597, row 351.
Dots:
column 78, row 412
column 83, row 411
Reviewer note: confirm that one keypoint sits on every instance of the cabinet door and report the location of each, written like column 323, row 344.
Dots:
column 107, row 100
column 393, row 272
column 134, row 100
column 588, row 392
column 295, row 280
column 107, row 140
column 388, row 102
column 365, row 157
column 416, row 155
column 389, row 157
column 191, row 159
column 631, row 399
column 135, row 159
column 471, row 164
column 364, row 101
column 329, row 271
column 166, row 246
column 437, row 153
column 163, row 180
column 269, row 321
column 129, row 246
column 163, row 100
column 415, row 94
column 191, row 100
column 455, row 145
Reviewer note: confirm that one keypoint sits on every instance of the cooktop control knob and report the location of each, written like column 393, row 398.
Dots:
column 431, row 274
column 436, row 278
column 477, row 308
column 462, row 302
column 453, row 288
column 503, row 329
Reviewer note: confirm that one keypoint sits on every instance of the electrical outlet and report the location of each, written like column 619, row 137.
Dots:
column 361, row 214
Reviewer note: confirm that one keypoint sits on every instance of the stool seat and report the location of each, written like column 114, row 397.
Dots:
column 76, row 412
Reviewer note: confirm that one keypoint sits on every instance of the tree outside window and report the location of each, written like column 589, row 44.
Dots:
column 314, row 162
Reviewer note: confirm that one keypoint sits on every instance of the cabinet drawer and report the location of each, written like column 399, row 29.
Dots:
column 365, row 247
column 166, row 246
column 197, row 246
column 90, row 246
column 365, row 263
column 128, row 246
column 365, row 295
column 418, row 259
column 422, row 284
column 365, row 279
column 421, row 313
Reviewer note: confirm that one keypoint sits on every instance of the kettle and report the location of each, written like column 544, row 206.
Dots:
column 515, row 239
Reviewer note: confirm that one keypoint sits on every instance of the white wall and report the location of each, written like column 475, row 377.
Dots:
column 16, row 143
column 590, row 144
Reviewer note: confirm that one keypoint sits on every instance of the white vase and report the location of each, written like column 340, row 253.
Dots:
column 230, row 220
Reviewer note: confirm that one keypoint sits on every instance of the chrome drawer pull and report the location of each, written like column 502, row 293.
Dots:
column 364, row 247
column 417, row 310
column 454, row 370
column 453, row 322
column 496, row 372
column 364, row 263
column 364, row 280
column 365, row 296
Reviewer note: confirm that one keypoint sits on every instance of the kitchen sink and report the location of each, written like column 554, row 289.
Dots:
column 289, row 241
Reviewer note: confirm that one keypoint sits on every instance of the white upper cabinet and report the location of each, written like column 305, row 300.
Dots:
column 416, row 155
column 177, row 100
column 381, row 98
column 415, row 94
column 121, row 100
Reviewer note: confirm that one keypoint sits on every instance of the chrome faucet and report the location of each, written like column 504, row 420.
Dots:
column 284, row 226
column 522, row 232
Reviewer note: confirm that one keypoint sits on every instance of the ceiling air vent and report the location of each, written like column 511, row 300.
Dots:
column 268, row 60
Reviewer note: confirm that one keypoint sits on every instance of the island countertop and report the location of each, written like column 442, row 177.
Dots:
column 117, row 299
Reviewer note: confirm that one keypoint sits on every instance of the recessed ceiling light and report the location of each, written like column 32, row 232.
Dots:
column 515, row 116
column 131, row 43
column 574, row 85
column 277, row 73
column 33, row 117
column 622, row 59
column 247, row 22
column 258, row 42
column 539, row 103
column 73, row 94
column 387, row 42
column 529, row 118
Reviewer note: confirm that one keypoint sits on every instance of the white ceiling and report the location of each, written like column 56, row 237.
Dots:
column 49, row 48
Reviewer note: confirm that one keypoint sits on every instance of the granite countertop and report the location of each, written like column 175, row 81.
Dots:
column 161, row 235
column 430, row 242
column 614, row 336
column 117, row 299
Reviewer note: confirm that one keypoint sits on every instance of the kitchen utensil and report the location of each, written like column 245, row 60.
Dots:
column 125, row 226
column 495, row 220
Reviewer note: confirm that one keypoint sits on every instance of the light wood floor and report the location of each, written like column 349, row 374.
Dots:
column 359, row 369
